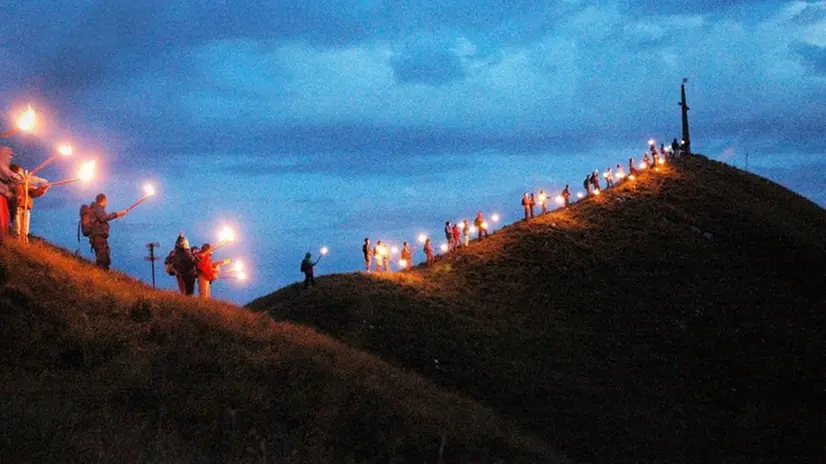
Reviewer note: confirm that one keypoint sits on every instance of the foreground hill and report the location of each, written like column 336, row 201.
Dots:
column 677, row 318
column 99, row 368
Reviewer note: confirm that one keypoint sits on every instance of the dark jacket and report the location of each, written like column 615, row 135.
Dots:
column 100, row 223
column 184, row 262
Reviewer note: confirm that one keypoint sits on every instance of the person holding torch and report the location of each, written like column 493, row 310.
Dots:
column 207, row 271
column 99, row 229
column 25, row 193
column 307, row 267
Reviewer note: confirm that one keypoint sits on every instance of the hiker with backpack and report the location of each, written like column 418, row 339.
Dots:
column 586, row 184
column 25, row 193
column 449, row 236
column 307, row 267
column 526, row 205
column 368, row 254
column 566, row 196
column 183, row 264
column 94, row 223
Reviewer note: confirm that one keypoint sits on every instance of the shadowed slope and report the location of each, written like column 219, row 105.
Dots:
column 98, row 367
column 676, row 318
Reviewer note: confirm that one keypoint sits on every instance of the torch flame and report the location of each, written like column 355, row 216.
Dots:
column 238, row 266
column 149, row 190
column 26, row 120
column 559, row 199
column 242, row 276
column 484, row 225
column 394, row 250
column 422, row 238
column 579, row 195
column 87, row 171
column 596, row 192
column 324, row 250
column 65, row 150
column 495, row 218
column 226, row 235
column 650, row 141
column 632, row 177
column 443, row 247
column 403, row 263
column 473, row 229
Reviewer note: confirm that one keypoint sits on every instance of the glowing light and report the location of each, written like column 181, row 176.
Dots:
column 87, row 171
column 495, row 218
column 662, row 161
column 242, row 276
column 542, row 198
column 324, row 250
column 65, row 150
column 226, row 235
column 26, row 120
column 473, row 229
column 580, row 194
column 632, row 177
column 651, row 142
column 597, row 192
column 403, row 263
column 238, row 266
column 484, row 225
column 643, row 165
column 148, row 190
column 394, row 250
column 559, row 199
column 460, row 225
column 443, row 247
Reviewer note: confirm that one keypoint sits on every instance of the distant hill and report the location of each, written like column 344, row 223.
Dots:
column 676, row 318
column 100, row 368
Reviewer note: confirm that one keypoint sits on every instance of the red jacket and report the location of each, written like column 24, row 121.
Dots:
column 205, row 267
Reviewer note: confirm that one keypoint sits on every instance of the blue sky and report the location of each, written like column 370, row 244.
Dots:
column 324, row 122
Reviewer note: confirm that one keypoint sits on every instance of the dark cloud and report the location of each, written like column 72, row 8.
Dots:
column 434, row 67
column 814, row 57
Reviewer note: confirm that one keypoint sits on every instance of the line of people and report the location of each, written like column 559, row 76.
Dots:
column 457, row 235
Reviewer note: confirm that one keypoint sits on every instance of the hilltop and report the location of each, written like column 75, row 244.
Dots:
column 97, row 367
column 675, row 318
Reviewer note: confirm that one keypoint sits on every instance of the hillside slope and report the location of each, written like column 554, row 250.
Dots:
column 100, row 368
column 678, row 318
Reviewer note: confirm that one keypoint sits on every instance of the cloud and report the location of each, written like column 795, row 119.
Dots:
column 430, row 67
column 814, row 57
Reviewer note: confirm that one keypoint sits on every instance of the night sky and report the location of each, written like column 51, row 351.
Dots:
column 307, row 123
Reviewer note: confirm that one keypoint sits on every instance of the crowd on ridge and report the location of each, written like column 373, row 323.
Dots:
column 458, row 235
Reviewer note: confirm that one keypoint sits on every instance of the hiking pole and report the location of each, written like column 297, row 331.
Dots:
column 152, row 258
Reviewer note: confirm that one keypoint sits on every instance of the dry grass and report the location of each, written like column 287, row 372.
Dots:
column 678, row 318
column 100, row 368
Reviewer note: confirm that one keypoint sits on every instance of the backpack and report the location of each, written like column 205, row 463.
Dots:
column 87, row 219
column 168, row 267
column 304, row 266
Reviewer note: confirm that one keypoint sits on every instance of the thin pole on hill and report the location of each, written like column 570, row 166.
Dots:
column 747, row 161
column 152, row 258
column 684, row 106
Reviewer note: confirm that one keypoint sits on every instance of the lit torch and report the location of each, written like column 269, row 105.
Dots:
column 560, row 200
column 580, row 195
column 25, row 123
column 148, row 191
column 495, row 217
column 224, row 237
column 324, row 250
column 597, row 192
column 87, row 171
column 443, row 247
column 62, row 150
column 422, row 238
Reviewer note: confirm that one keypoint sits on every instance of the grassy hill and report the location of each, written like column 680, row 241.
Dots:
column 100, row 368
column 676, row 318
